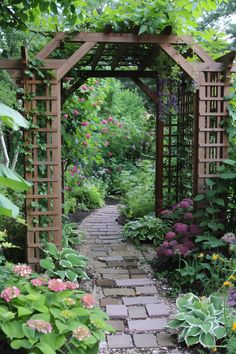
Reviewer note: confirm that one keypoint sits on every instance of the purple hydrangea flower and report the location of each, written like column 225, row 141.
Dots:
column 188, row 216
column 194, row 229
column 170, row 235
column 180, row 227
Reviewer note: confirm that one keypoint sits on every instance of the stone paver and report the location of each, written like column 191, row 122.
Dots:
column 140, row 300
column 120, row 341
column 158, row 310
column 125, row 290
column 118, row 292
column 147, row 325
column 133, row 282
column 137, row 312
column 117, row 311
column 145, row 340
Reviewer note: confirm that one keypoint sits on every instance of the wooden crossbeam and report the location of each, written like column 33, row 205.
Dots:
column 117, row 73
column 97, row 55
column 78, row 54
column 122, row 51
column 127, row 38
column 14, row 64
column 53, row 44
column 182, row 62
column 146, row 90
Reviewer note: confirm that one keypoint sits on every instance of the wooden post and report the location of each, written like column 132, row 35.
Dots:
column 159, row 158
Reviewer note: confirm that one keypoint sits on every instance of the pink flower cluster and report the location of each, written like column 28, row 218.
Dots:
column 178, row 240
column 10, row 293
column 40, row 325
column 22, row 270
column 81, row 333
column 54, row 284
column 85, row 124
column 88, row 301
column 40, row 281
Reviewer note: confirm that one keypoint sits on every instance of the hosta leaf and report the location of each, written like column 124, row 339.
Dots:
column 47, row 264
column 194, row 321
column 191, row 340
column 206, row 327
column 52, row 249
column 21, row 343
column 219, row 332
column 207, row 340
column 193, row 331
column 10, row 179
column 7, row 208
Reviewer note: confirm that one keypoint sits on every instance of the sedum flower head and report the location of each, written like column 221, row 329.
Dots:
column 10, row 293
column 81, row 333
column 56, row 285
column 88, row 301
column 40, row 326
column 67, row 314
column 22, row 269
column 69, row 301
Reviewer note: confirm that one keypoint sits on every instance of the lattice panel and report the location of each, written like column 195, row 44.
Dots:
column 212, row 141
column 43, row 166
column 177, row 116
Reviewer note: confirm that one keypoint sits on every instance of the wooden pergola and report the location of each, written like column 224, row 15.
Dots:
column 117, row 55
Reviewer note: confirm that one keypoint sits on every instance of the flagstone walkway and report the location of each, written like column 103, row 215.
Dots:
column 123, row 286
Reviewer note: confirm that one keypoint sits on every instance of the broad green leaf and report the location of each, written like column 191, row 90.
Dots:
column 71, row 275
column 206, row 326
column 191, row 340
column 193, row 331
column 45, row 348
column 219, row 332
column 21, row 343
column 199, row 197
column 23, row 311
column 47, row 264
column 13, row 329
column 65, row 264
column 207, row 340
column 12, row 118
column 10, row 179
column 7, row 208
column 52, row 249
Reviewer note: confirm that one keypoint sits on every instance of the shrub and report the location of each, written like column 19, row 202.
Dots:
column 43, row 315
column 201, row 321
column 148, row 228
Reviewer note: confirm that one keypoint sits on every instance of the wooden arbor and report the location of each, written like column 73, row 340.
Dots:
column 122, row 55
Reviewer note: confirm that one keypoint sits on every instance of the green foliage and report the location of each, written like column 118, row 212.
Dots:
column 201, row 321
column 63, row 312
column 14, row 120
column 71, row 235
column 66, row 264
column 148, row 228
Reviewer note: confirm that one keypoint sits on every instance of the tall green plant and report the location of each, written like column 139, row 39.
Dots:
column 9, row 179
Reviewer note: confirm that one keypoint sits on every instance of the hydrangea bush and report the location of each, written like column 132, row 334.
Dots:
column 180, row 239
column 43, row 315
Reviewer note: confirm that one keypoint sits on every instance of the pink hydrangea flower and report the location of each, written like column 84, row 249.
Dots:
column 36, row 282
column 165, row 244
column 22, row 269
column 180, row 228
column 40, row 325
column 85, row 143
column 173, row 243
column 104, row 121
column 85, row 124
column 170, row 235
column 110, row 119
column 184, row 204
column 188, row 200
column 84, row 87
column 81, row 333
column 10, row 293
column 188, row 216
column 194, row 229
column 66, row 116
column 88, row 301
column 56, row 285
column 91, row 88
column 88, row 136
column 169, row 252
column 71, row 285
column 76, row 113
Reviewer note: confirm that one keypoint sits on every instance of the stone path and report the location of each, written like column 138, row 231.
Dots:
column 124, row 288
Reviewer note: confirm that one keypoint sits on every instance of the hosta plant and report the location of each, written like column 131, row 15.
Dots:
column 65, row 264
column 201, row 320
column 41, row 315
column 148, row 228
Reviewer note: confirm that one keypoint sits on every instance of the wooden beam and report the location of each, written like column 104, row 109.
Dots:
column 78, row 54
column 159, row 166
column 198, row 50
column 97, row 55
column 118, row 73
column 16, row 64
column 189, row 68
column 146, row 90
column 127, row 38
column 53, row 44
column 122, row 50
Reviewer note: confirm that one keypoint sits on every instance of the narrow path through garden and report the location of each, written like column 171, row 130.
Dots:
column 123, row 286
